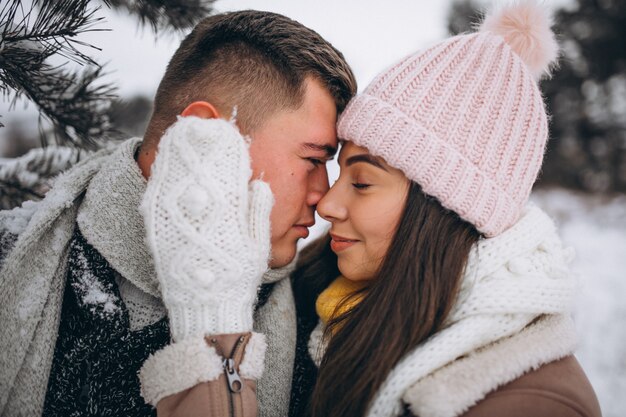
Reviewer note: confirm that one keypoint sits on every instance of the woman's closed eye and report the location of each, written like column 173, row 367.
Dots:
column 360, row 185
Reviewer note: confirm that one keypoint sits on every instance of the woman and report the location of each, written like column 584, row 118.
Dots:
column 441, row 291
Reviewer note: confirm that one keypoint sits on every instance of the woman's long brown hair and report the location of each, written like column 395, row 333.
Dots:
column 408, row 302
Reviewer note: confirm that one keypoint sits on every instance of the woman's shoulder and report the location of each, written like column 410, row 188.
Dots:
column 557, row 389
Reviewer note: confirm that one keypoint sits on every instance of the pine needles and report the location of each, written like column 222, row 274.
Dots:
column 166, row 14
column 72, row 101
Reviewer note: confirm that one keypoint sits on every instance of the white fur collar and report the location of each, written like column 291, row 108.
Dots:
column 453, row 389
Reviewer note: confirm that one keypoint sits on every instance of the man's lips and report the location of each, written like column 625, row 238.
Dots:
column 340, row 243
column 303, row 228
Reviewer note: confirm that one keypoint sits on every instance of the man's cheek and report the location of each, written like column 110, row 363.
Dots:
column 277, row 221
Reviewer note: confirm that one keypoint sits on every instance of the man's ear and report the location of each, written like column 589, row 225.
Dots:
column 201, row 109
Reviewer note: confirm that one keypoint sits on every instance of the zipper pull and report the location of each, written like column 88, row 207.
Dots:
column 234, row 381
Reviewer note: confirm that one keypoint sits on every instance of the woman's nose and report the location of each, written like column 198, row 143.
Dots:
column 331, row 207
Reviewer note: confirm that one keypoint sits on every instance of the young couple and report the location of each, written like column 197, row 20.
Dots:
column 142, row 279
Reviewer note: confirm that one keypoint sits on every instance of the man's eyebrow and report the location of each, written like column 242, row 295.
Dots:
column 330, row 151
column 368, row 159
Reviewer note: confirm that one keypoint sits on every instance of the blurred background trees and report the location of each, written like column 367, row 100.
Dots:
column 38, row 38
column 586, row 97
column 38, row 41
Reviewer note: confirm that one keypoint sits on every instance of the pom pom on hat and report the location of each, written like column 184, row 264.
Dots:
column 525, row 27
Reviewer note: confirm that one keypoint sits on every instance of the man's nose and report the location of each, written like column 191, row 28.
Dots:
column 318, row 186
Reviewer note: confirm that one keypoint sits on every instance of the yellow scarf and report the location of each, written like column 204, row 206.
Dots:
column 328, row 301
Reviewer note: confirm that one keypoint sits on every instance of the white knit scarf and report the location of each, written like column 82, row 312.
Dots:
column 510, row 281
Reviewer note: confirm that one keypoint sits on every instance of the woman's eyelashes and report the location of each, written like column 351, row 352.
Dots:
column 361, row 179
column 355, row 178
column 360, row 185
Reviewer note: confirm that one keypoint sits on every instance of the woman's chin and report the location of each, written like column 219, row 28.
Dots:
column 353, row 272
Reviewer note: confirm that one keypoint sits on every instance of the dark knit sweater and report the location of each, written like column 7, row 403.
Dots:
column 304, row 371
column 97, row 356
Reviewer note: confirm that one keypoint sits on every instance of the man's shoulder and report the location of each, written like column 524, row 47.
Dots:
column 27, row 220
column 7, row 241
column 559, row 388
column 63, row 183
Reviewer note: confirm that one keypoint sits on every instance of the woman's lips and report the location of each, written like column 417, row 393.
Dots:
column 339, row 243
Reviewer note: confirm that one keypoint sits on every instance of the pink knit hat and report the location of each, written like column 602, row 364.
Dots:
column 465, row 118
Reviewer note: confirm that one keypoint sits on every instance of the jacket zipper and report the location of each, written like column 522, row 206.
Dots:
column 233, row 380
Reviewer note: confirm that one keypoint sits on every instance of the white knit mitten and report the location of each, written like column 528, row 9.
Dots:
column 208, row 227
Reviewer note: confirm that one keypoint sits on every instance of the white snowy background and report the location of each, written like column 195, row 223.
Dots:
column 372, row 35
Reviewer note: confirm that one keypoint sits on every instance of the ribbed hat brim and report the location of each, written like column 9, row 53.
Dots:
column 440, row 170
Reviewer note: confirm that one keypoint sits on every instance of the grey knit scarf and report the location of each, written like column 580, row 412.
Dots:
column 101, row 194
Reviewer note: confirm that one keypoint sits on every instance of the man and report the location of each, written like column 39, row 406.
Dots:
column 81, row 307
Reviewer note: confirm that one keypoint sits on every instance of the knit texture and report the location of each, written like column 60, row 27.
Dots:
column 330, row 303
column 510, row 280
column 143, row 308
column 464, row 119
column 472, row 377
column 276, row 319
column 207, row 227
column 110, row 220
column 305, row 370
column 97, row 355
column 32, row 278
column 112, row 223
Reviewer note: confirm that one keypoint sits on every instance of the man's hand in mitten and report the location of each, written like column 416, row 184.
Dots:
column 208, row 227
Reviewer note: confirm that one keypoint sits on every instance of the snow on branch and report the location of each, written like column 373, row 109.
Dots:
column 72, row 101
column 29, row 177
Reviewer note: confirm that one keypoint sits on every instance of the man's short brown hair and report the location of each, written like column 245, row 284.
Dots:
column 257, row 61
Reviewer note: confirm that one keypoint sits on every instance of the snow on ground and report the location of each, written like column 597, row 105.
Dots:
column 596, row 228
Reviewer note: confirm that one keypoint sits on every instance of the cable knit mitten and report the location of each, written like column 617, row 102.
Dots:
column 208, row 227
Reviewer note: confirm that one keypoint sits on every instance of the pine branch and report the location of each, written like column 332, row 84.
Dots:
column 166, row 14
column 56, row 25
column 72, row 101
column 29, row 177
column 75, row 103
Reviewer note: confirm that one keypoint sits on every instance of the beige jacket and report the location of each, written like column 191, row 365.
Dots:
column 558, row 389
column 231, row 392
